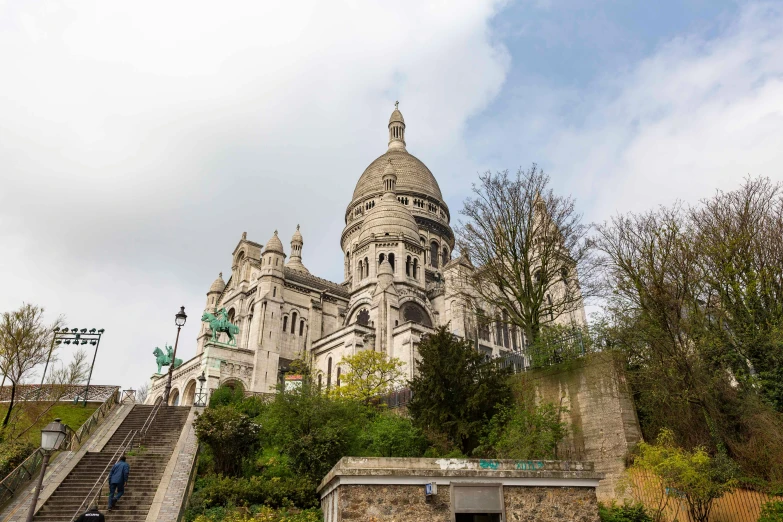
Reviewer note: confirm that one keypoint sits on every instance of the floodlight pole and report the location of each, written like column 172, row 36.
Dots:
column 89, row 377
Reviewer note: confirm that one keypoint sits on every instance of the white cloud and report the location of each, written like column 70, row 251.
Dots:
column 697, row 115
column 139, row 140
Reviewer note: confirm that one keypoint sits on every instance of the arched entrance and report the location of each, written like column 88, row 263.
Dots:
column 174, row 397
column 189, row 394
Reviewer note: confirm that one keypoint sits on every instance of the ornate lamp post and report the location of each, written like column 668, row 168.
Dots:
column 179, row 320
column 201, row 399
column 51, row 437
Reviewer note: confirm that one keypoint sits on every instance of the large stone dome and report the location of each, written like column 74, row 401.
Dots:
column 412, row 176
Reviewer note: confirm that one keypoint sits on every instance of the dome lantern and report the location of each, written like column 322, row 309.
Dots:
column 295, row 261
column 396, row 129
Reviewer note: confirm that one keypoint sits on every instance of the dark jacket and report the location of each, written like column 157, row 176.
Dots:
column 92, row 515
column 119, row 473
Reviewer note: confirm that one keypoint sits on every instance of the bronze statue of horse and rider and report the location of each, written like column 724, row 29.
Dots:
column 164, row 358
column 219, row 323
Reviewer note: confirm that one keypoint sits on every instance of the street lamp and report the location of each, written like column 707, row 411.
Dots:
column 201, row 399
column 179, row 320
column 51, row 437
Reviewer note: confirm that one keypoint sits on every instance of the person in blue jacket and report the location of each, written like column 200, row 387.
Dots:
column 118, row 479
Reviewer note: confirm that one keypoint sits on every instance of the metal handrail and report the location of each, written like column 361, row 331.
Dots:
column 86, row 428
column 150, row 418
column 127, row 442
column 21, row 474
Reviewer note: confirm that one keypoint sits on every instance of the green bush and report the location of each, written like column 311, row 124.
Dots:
column 524, row 432
column 258, row 514
column 229, row 435
column 391, row 435
column 225, row 396
column 277, row 492
column 13, row 453
column 772, row 512
column 624, row 513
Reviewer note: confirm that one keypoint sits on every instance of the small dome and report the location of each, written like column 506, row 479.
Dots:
column 297, row 237
column 274, row 245
column 218, row 285
column 385, row 268
column 396, row 116
column 390, row 217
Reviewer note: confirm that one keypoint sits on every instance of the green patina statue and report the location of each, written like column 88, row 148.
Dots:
column 219, row 323
column 164, row 359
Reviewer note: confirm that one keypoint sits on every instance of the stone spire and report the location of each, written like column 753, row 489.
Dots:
column 396, row 129
column 295, row 261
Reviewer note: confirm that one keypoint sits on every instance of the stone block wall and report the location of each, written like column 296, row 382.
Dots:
column 397, row 503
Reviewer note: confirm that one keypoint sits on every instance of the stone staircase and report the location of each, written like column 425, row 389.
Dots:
column 146, row 469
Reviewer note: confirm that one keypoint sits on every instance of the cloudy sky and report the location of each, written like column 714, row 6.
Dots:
column 138, row 140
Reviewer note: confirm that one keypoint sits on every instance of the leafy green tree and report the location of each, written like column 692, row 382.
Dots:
column 313, row 429
column 369, row 374
column 524, row 432
column 230, row 435
column 391, row 435
column 456, row 389
column 695, row 475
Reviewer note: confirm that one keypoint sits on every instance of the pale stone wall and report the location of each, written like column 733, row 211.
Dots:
column 601, row 413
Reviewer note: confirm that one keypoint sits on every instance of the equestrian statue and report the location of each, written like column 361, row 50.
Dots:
column 218, row 323
column 164, row 358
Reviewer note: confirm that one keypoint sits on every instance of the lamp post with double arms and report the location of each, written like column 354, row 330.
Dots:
column 51, row 437
column 179, row 320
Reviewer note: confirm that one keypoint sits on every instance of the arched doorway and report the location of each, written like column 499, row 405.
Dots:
column 174, row 397
column 189, row 394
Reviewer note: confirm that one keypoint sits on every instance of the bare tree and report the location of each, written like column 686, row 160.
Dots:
column 531, row 250
column 142, row 392
column 59, row 382
column 25, row 341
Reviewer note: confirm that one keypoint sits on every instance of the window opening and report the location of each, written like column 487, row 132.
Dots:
column 293, row 322
column 285, row 323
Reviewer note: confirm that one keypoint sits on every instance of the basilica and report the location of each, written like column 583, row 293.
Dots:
column 400, row 282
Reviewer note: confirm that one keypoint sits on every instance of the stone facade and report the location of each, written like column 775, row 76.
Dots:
column 392, row 490
column 400, row 282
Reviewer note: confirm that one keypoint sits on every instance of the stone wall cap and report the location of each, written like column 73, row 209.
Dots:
column 460, row 468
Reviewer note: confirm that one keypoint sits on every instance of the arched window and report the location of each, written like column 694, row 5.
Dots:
column 301, row 328
column 249, row 323
column 363, row 317
column 274, row 291
column 391, row 261
column 360, row 270
column 408, row 266
column 366, row 267
column 319, row 382
column 381, row 258
column 231, row 314
column 329, row 374
column 293, row 322
column 416, row 313
column 338, row 376
column 445, row 256
column 434, row 254
column 285, row 323
column 415, row 268
column 498, row 331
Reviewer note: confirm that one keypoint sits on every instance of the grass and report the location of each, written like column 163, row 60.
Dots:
column 71, row 415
